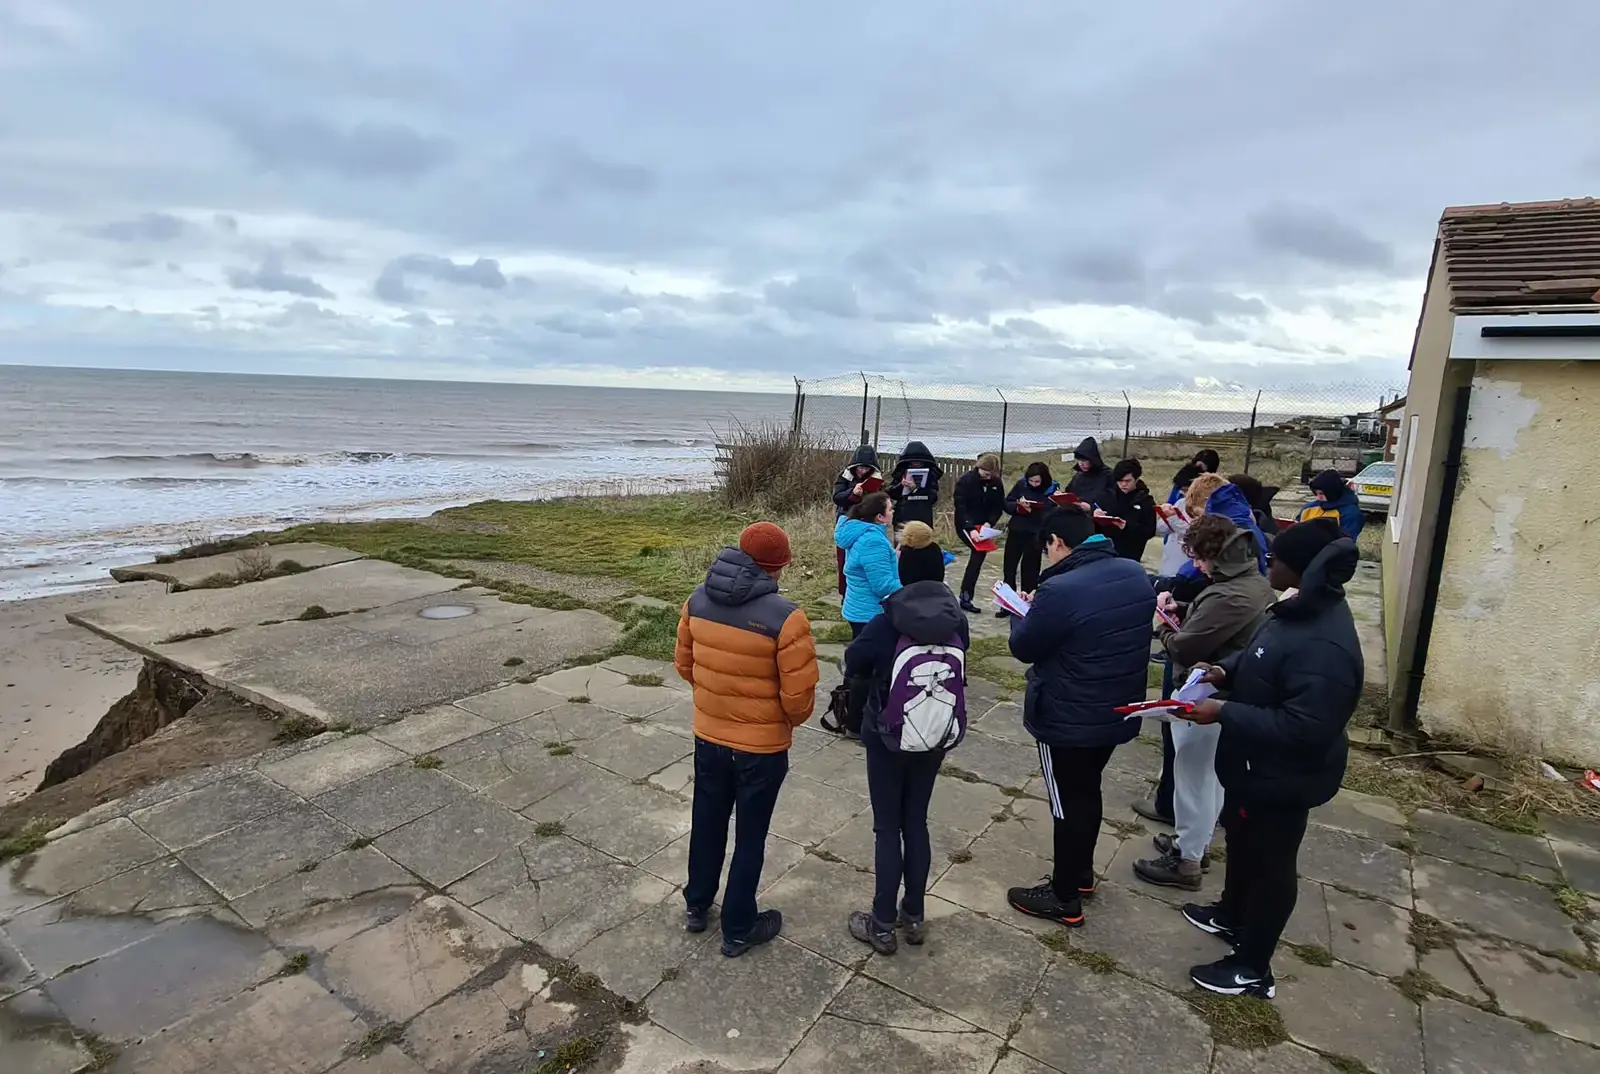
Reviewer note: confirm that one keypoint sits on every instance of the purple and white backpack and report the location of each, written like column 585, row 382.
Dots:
column 926, row 707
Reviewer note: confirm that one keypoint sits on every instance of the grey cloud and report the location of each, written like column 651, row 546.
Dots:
column 227, row 222
column 418, row 319
column 148, row 227
column 806, row 295
column 310, row 251
column 392, row 285
column 1207, row 305
column 270, row 276
column 1024, row 327
column 570, row 170
column 362, row 151
column 1320, row 236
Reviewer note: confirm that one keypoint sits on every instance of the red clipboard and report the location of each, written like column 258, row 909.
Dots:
column 1144, row 708
column 1109, row 522
column 1064, row 499
column 871, row 485
column 1283, row 523
column 981, row 545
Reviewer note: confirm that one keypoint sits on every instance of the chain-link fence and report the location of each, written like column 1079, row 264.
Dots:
column 1280, row 434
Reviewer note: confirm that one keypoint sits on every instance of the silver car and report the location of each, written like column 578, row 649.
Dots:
column 1374, row 486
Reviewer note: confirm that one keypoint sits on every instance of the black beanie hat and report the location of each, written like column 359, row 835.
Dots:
column 925, row 564
column 1329, row 483
column 1298, row 545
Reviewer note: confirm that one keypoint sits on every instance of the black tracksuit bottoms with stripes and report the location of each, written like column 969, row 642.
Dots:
column 1072, row 777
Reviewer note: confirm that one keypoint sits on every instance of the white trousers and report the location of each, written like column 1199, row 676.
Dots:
column 1196, row 791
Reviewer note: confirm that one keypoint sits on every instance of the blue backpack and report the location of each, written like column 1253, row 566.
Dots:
column 926, row 707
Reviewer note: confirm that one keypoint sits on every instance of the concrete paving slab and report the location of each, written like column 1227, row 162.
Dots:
column 1279, row 1059
column 431, row 729
column 163, row 887
column 539, row 774
column 1000, row 966
column 1014, row 1062
column 1373, row 935
column 634, row 700
column 749, row 1028
column 508, row 704
column 252, row 1032
column 1576, row 842
column 632, row 824
column 51, row 938
column 572, row 722
column 1148, row 938
column 255, row 854
column 175, row 973
column 16, row 974
column 490, row 757
column 85, row 858
column 1538, row 989
column 1464, row 1040
column 629, row 894
column 856, row 843
column 345, row 875
column 1348, row 1012
column 634, row 957
column 841, row 764
column 808, row 812
column 1356, row 863
column 322, row 926
column 389, row 798
column 339, row 762
column 446, row 845
column 587, row 789
column 35, row 1038
column 981, row 883
column 460, row 1028
column 870, row 1028
column 1309, row 923
column 389, row 1061
column 1003, row 721
column 994, row 760
column 1118, row 1024
column 155, row 622
column 585, row 681
column 1361, row 814
column 192, row 818
column 401, row 968
column 189, row 572
column 1515, row 909
column 636, row 750
column 816, row 898
column 541, row 858
column 1470, row 843
column 638, row 666
column 1447, row 968
column 671, row 863
column 362, row 667
column 677, row 777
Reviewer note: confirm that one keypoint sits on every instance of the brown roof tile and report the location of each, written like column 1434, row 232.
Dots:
column 1541, row 256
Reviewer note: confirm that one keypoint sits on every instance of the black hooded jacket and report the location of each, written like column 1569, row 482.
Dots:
column 1291, row 691
column 1138, row 510
column 1093, row 485
column 925, row 612
column 914, row 504
column 844, row 486
column 977, row 501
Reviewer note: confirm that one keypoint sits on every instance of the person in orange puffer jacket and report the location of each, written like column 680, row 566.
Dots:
column 749, row 654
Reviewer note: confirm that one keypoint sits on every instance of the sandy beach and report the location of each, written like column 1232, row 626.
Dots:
column 56, row 680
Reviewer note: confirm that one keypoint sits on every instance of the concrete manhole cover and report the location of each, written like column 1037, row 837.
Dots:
column 447, row 611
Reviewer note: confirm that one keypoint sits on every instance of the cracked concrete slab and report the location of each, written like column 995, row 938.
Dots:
column 1373, row 935
column 351, row 872
column 447, row 844
column 1515, row 909
column 192, row 818
column 636, row 750
column 255, row 854
column 880, row 1029
column 35, row 1038
column 631, row 824
column 332, row 764
column 1464, row 1040
column 1346, row 1011
column 390, row 798
column 1118, row 1024
column 189, row 572
column 508, row 704
column 85, row 858
column 431, row 729
column 1538, row 989
column 1357, row 863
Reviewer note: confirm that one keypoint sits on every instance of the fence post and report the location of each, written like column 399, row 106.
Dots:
column 877, row 423
column 865, row 389
column 1250, row 434
column 1127, row 428
column 802, row 411
column 794, row 414
column 1005, row 414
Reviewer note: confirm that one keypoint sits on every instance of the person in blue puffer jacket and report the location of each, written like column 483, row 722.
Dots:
column 1229, row 501
column 870, row 570
column 1087, row 639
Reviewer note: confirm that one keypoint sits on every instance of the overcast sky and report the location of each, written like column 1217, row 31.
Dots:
column 709, row 191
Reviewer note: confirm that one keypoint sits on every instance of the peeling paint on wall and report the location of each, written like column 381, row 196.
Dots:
column 1499, row 565
column 1498, row 413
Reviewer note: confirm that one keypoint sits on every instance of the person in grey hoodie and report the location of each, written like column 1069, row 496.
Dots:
column 1218, row 624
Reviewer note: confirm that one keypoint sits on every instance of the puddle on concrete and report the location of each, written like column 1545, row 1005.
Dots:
column 447, row 611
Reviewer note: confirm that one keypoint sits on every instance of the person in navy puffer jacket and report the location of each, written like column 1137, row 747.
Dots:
column 1087, row 637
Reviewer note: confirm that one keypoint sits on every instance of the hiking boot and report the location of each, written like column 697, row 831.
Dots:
column 969, row 607
column 916, row 928
column 768, row 924
column 1146, row 808
column 1209, row 919
column 1041, row 901
column 870, row 931
column 1167, row 843
column 695, row 920
column 1230, row 977
column 1169, row 871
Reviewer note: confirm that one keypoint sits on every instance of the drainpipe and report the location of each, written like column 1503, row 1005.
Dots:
column 1406, row 718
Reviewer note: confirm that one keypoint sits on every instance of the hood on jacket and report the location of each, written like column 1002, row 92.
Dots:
column 1090, row 449
column 735, row 579
column 917, row 454
column 1238, row 557
column 1322, row 584
column 847, row 531
column 925, row 612
column 1331, row 485
column 866, row 455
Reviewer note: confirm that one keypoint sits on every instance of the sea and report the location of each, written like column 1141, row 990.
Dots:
column 103, row 468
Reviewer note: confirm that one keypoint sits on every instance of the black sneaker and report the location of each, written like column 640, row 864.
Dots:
column 1002, row 614
column 768, row 924
column 916, row 928
column 695, row 920
column 969, row 607
column 1229, row 977
column 1167, row 843
column 867, row 929
column 1146, row 808
column 1209, row 919
column 1041, row 901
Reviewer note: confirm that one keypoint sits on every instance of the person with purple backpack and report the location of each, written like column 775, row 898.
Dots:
column 913, row 656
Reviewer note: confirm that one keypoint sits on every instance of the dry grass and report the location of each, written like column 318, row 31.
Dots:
column 779, row 470
column 1414, row 783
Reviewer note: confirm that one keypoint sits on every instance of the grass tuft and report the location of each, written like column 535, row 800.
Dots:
column 29, row 839
column 573, row 1055
column 549, row 828
column 1311, row 954
column 1430, row 934
column 513, row 662
column 644, row 680
column 102, row 1053
column 1573, row 903
column 313, row 613
column 1056, row 940
column 358, row 842
column 295, row 963
column 377, row 1038
column 578, row 699
column 1417, row 986
column 557, row 749
column 960, row 857
column 297, row 728
column 1239, row 1021
column 426, row 761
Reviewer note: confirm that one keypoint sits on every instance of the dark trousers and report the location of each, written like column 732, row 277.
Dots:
column 1072, row 777
column 1259, row 893
column 856, row 629
column 969, row 577
column 901, row 786
column 1163, row 801
column 726, row 780
column 1022, row 551
column 839, row 555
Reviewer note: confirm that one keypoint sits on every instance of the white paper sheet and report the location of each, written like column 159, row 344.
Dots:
column 986, row 532
column 1010, row 600
column 1193, row 689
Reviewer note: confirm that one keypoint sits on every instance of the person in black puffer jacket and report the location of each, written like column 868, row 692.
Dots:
column 850, row 487
column 1291, row 692
column 1091, row 480
column 1131, row 501
column 912, row 502
column 1028, row 503
column 980, row 499
column 1087, row 639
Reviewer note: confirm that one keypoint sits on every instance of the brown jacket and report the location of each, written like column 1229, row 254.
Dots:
column 1227, row 612
column 749, row 655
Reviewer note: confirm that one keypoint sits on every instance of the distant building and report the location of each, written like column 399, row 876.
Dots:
column 1491, row 556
